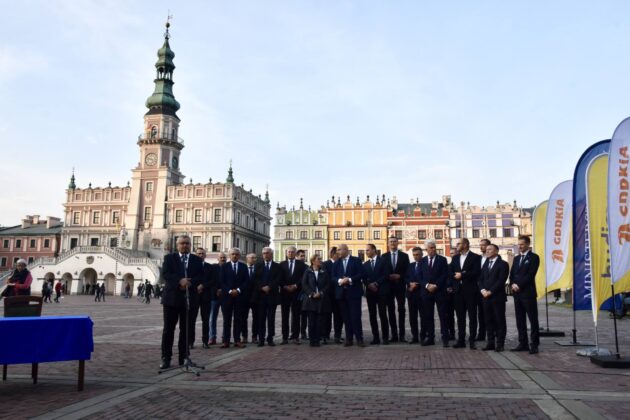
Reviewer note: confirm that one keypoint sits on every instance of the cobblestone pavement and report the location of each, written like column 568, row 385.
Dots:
column 291, row 381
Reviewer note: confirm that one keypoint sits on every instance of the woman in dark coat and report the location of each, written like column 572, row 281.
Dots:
column 315, row 285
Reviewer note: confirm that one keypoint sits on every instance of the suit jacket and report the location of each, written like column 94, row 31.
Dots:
column 437, row 275
column 210, row 282
column 310, row 285
column 173, row 271
column 402, row 265
column 229, row 281
column 378, row 275
column 271, row 278
column 354, row 270
column 413, row 277
column 523, row 274
column 328, row 266
column 296, row 278
column 470, row 273
column 494, row 279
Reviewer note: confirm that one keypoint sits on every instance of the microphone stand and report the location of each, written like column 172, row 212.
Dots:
column 188, row 365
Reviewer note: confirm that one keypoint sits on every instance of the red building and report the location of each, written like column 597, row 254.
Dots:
column 414, row 223
column 34, row 238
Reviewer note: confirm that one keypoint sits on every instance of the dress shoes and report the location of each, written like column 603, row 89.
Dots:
column 348, row 343
column 225, row 345
column 499, row 348
column 314, row 344
column 261, row 344
column 533, row 350
column 472, row 345
column 445, row 343
column 386, row 342
column 375, row 342
column 285, row 341
column 324, row 341
column 521, row 347
column 271, row 343
column 427, row 342
column 205, row 345
column 459, row 345
column 166, row 363
column 360, row 343
column 213, row 342
column 240, row 344
column 488, row 347
column 414, row 341
column 296, row 341
column 337, row 340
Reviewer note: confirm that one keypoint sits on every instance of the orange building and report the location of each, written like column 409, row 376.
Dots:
column 357, row 224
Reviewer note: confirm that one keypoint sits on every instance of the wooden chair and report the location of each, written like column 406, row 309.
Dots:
column 16, row 306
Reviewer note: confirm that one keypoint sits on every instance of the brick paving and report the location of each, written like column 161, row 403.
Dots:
column 400, row 380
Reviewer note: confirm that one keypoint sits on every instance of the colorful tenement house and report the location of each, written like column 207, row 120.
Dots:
column 414, row 223
column 303, row 228
column 358, row 224
column 501, row 224
column 118, row 235
column 35, row 238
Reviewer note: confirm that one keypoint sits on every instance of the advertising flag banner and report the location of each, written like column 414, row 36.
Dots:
column 539, row 219
column 582, row 268
column 558, row 242
column 597, row 175
column 619, row 207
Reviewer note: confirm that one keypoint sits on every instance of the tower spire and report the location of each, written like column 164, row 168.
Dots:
column 72, row 184
column 162, row 101
column 230, row 177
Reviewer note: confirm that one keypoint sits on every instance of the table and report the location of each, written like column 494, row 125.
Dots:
column 46, row 339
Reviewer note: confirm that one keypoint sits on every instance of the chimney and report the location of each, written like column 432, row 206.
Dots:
column 27, row 222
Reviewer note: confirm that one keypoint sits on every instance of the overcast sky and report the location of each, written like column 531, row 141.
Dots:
column 482, row 100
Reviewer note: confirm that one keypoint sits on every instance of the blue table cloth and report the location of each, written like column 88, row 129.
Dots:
column 45, row 339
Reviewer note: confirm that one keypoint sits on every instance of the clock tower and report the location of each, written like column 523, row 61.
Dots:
column 160, row 148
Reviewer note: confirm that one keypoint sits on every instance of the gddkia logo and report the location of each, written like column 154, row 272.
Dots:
column 623, row 232
column 557, row 255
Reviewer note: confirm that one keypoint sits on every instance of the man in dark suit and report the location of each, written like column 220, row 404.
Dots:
column 414, row 296
column 481, row 334
column 266, row 295
column 333, row 318
column 234, row 284
column 433, row 284
column 523, row 284
column 250, row 260
column 376, row 292
column 290, row 289
column 464, row 273
column 301, row 255
column 397, row 264
column 206, row 294
column 492, row 285
column 182, row 272
column 348, row 274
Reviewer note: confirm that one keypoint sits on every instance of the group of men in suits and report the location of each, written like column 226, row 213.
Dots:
column 472, row 288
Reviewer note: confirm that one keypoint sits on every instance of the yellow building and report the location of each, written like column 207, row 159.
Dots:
column 358, row 224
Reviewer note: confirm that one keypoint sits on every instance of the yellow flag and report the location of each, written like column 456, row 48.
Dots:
column 596, row 195
column 540, row 215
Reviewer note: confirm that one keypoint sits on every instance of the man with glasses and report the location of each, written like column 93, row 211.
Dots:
column 182, row 272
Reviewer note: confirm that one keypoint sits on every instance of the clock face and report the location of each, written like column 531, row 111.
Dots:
column 150, row 159
column 175, row 162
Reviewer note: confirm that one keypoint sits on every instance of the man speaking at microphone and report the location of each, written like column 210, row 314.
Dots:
column 181, row 270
